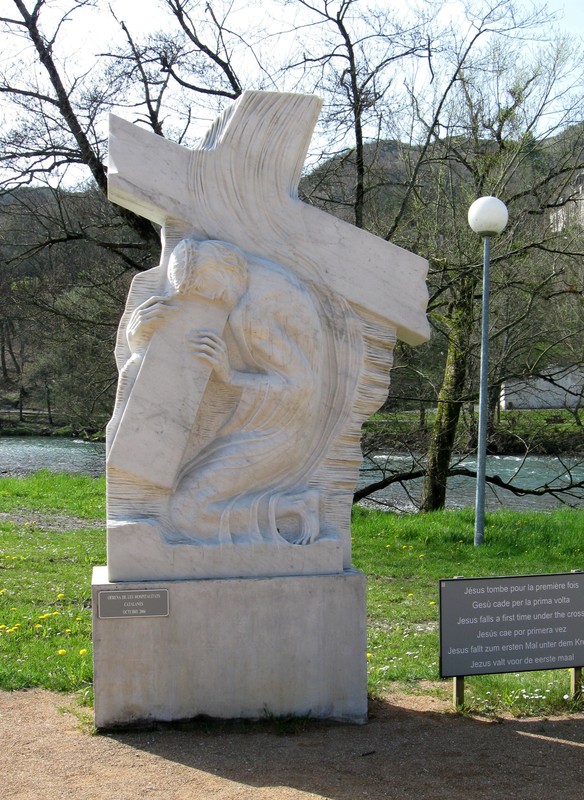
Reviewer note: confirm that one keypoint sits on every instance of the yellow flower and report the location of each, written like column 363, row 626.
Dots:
column 61, row 595
column 2, row 627
column 62, row 652
column 38, row 625
column 411, row 594
column 369, row 655
column 83, row 652
column 56, row 613
column 2, row 591
column 432, row 603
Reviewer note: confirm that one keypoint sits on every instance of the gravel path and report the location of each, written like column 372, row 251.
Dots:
column 412, row 747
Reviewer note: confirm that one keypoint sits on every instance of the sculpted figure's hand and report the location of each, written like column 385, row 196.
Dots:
column 145, row 318
column 211, row 348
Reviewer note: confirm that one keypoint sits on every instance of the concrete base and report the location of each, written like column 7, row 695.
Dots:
column 232, row 649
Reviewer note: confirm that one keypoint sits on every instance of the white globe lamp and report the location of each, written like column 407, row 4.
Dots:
column 488, row 216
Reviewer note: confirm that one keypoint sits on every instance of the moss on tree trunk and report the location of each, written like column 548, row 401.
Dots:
column 450, row 400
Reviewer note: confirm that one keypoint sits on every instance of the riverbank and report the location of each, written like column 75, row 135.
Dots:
column 15, row 421
column 517, row 432
column 15, row 429
column 537, row 432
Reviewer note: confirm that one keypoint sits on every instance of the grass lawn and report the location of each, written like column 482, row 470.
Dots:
column 45, row 589
column 404, row 557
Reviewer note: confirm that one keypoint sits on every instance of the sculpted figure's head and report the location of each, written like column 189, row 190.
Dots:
column 214, row 269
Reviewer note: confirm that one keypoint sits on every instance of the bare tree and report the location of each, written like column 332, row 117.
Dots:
column 353, row 53
column 496, row 122
column 422, row 114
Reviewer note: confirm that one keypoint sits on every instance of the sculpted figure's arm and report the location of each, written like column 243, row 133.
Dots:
column 145, row 319
column 285, row 366
column 211, row 348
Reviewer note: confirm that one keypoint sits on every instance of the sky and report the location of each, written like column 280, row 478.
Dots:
column 84, row 41
column 142, row 13
column 572, row 12
column 144, row 16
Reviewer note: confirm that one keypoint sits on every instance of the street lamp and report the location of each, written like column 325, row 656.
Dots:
column 488, row 217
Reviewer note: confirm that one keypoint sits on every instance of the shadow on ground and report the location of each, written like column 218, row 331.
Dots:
column 401, row 753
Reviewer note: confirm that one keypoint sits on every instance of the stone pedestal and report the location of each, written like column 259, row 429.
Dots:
column 231, row 648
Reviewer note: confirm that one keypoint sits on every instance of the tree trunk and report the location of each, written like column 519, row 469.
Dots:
column 494, row 406
column 49, row 409
column 450, row 400
column 422, row 418
column 3, row 353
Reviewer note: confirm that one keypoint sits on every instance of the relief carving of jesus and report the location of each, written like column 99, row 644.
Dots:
column 249, row 481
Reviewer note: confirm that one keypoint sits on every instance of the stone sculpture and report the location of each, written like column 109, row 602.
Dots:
column 248, row 358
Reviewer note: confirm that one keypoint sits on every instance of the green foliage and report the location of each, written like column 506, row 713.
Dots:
column 51, row 492
column 548, row 431
column 45, row 606
column 404, row 557
column 45, row 596
column 542, row 432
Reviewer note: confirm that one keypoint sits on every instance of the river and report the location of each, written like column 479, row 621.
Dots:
column 21, row 455
column 24, row 455
column 530, row 473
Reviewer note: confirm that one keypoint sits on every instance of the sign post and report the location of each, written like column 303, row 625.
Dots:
column 511, row 624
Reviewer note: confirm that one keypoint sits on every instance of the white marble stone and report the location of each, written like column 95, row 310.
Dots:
column 233, row 649
column 135, row 552
column 249, row 358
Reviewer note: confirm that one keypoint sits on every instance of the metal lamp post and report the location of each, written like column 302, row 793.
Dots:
column 488, row 217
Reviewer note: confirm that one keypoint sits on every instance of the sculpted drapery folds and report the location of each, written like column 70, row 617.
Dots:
column 269, row 360
column 257, row 435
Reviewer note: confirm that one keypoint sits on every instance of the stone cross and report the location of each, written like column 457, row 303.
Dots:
column 240, row 185
column 249, row 359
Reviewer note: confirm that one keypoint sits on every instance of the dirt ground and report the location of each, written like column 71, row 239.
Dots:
column 412, row 747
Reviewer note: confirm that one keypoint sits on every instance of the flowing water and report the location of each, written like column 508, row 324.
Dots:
column 529, row 473
column 23, row 455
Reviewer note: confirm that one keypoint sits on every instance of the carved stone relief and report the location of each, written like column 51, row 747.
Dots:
column 248, row 364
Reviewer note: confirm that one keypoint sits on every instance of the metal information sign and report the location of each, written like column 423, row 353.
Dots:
column 517, row 624
column 133, row 603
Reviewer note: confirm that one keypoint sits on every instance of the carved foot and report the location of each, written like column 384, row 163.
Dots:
column 296, row 516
